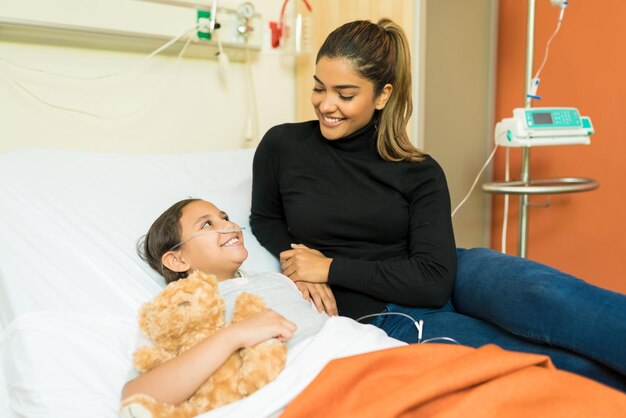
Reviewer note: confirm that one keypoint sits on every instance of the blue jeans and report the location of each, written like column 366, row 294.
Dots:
column 522, row 305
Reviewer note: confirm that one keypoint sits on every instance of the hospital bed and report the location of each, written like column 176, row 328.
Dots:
column 71, row 283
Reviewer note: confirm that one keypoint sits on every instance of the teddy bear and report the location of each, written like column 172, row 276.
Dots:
column 186, row 312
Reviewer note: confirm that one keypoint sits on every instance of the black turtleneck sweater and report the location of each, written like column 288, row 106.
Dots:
column 386, row 225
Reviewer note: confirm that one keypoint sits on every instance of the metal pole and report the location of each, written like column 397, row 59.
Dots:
column 522, row 239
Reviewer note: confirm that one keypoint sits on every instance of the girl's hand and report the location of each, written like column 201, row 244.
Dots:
column 322, row 296
column 203, row 359
column 304, row 264
column 261, row 327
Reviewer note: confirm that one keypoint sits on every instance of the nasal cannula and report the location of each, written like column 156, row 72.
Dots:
column 213, row 231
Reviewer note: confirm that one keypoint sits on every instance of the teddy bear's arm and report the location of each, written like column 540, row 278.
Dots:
column 247, row 305
column 262, row 363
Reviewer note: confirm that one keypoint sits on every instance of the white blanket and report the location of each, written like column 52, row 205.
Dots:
column 340, row 337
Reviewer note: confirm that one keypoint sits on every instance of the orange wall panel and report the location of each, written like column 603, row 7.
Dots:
column 580, row 233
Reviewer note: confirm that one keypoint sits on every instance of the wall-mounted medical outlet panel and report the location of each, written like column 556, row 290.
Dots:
column 143, row 29
column 235, row 31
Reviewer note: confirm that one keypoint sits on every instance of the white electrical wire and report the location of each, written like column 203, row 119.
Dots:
column 252, row 125
column 109, row 75
column 92, row 114
column 430, row 340
column 476, row 180
column 505, row 214
column 418, row 324
column 222, row 58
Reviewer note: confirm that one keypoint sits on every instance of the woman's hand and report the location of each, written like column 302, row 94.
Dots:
column 304, row 264
column 261, row 327
column 321, row 295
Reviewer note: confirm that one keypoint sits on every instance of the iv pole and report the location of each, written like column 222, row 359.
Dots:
column 525, row 187
column 522, row 239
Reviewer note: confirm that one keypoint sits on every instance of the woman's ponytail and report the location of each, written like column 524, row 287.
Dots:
column 393, row 141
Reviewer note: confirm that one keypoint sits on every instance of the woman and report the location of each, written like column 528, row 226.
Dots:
column 360, row 220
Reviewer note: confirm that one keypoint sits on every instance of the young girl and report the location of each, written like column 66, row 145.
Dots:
column 194, row 234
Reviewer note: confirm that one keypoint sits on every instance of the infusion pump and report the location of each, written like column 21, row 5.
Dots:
column 530, row 127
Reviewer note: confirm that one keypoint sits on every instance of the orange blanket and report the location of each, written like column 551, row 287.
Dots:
column 441, row 380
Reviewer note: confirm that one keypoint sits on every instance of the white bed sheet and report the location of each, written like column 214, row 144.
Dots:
column 70, row 365
column 5, row 410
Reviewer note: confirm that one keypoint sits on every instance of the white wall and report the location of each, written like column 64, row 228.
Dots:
column 458, row 105
column 164, row 106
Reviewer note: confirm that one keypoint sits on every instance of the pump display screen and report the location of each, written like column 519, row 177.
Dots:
column 542, row 118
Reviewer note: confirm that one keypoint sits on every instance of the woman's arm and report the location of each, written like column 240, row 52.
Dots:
column 194, row 366
column 267, row 217
column 425, row 276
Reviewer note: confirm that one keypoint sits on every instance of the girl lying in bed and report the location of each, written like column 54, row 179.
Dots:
column 195, row 234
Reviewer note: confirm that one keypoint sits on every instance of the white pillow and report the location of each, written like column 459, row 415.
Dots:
column 67, row 365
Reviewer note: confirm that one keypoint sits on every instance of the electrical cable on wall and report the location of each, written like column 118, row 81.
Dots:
column 138, row 66
column 252, row 123
column 505, row 211
column 96, row 115
column 480, row 172
column 222, row 59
